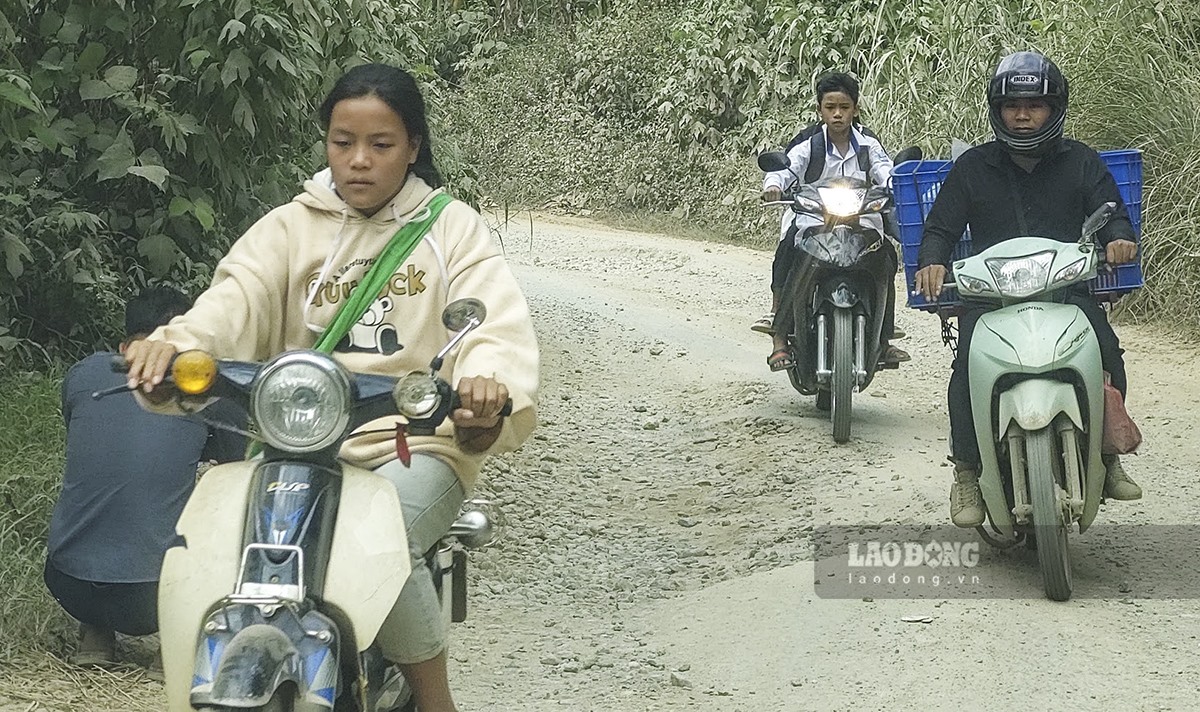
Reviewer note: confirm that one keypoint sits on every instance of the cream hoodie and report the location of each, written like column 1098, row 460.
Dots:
column 258, row 306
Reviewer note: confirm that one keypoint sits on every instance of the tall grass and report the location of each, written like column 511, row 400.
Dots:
column 676, row 135
column 31, row 460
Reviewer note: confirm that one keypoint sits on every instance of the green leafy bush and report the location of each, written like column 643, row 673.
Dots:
column 140, row 138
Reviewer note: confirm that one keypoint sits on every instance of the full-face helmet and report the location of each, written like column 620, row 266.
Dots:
column 1028, row 75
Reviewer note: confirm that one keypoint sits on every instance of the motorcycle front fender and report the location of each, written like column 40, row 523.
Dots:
column 252, row 667
column 1035, row 402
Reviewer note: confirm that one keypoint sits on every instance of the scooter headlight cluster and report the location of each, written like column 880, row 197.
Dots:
column 301, row 402
column 1022, row 276
column 841, row 201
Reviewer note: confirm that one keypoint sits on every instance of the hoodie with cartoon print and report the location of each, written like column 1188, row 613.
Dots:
column 284, row 280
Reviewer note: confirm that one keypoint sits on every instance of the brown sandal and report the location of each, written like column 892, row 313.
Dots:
column 781, row 359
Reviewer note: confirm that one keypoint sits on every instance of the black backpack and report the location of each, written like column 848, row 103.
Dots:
column 816, row 138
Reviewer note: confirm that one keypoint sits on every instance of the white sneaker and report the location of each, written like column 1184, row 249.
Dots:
column 1117, row 484
column 966, row 499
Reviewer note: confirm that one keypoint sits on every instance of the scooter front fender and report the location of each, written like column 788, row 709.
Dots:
column 252, row 666
column 1034, row 403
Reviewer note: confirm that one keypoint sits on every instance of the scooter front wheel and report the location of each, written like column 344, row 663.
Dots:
column 843, row 378
column 1049, row 521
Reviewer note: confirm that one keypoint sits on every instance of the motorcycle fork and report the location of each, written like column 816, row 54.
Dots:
column 1022, row 509
column 823, row 370
column 1071, row 471
column 860, row 346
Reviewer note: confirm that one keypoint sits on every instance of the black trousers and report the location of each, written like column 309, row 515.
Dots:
column 963, row 443
column 785, row 257
column 129, row 608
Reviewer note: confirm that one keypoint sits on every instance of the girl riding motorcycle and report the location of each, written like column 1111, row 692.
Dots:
column 281, row 285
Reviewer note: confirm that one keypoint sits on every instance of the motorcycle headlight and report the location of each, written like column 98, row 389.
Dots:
column 1022, row 276
column 842, row 202
column 301, row 402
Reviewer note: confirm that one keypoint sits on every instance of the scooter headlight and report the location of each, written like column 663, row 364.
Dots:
column 301, row 401
column 1022, row 276
column 842, row 202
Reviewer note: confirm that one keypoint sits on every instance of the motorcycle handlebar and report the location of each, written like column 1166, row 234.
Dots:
column 118, row 364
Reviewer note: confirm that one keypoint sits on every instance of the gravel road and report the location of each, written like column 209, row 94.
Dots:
column 660, row 552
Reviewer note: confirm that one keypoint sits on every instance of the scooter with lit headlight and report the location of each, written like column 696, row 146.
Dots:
column 287, row 564
column 837, row 289
column 1037, row 393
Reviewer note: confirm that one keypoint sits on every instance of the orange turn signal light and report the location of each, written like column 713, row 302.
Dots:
column 194, row 372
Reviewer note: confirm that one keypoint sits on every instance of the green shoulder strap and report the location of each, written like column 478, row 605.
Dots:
column 393, row 255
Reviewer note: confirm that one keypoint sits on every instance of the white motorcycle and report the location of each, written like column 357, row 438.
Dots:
column 1037, row 393
column 288, row 564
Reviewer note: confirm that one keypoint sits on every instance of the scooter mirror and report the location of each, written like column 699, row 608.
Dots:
column 772, row 161
column 461, row 312
column 1097, row 220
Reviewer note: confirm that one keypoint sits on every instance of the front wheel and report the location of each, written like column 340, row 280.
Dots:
column 1049, row 520
column 842, row 381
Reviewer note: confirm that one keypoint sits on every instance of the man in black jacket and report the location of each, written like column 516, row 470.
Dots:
column 1029, row 181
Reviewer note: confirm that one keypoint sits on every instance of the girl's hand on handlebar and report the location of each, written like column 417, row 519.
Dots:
column 928, row 281
column 1118, row 252
column 771, row 195
column 478, row 419
column 148, row 363
column 482, row 399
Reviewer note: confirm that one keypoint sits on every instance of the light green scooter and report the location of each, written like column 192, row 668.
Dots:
column 1037, row 393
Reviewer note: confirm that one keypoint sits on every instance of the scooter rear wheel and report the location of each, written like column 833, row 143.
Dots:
column 1049, row 522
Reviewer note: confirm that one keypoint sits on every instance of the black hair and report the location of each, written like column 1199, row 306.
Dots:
column 396, row 88
column 152, row 308
column 837, row 81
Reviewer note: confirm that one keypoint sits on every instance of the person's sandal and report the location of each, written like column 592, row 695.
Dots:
column 893, row 356
column 765, row 325
column 780, row 360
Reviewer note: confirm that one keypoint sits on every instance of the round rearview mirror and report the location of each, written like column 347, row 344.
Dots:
column 461, row 312
column 416, row 395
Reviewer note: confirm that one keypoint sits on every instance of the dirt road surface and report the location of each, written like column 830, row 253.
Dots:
column 662, row 519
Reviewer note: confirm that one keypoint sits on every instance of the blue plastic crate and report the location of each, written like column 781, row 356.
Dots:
column 915, row 185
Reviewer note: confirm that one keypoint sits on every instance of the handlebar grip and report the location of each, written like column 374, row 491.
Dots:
column 505, row 411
